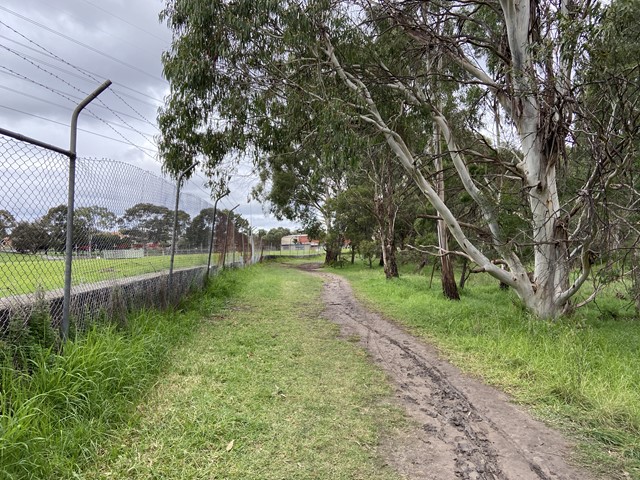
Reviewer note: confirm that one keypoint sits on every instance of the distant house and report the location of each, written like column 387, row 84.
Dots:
column 298, row 242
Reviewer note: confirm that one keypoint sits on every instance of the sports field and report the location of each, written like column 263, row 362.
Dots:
column 22, row 273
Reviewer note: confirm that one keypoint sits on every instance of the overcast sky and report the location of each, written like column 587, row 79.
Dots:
column 53, row 53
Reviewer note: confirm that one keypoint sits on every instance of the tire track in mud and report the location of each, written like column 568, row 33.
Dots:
column 466, row 430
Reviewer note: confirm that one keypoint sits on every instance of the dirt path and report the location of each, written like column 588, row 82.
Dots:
column 467, row 430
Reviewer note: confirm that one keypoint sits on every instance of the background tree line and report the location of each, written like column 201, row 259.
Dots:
column 96, row 228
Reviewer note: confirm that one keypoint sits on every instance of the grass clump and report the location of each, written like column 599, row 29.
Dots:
column 56, row 407
column 581, row 373
column 265, row 390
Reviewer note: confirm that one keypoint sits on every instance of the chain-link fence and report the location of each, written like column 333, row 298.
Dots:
column 121, row 237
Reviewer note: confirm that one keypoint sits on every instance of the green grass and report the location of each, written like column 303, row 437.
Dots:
column 319, row 258
column 256, row 388
column 581, row 374
column 265, row 391
column 27, row 273
column 292, row 253
column 54, row 417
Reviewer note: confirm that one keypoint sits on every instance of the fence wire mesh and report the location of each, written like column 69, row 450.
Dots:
column 122, row 233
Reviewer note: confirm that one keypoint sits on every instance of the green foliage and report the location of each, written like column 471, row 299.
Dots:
column 55, row 223
column 49, row 232
column 609, row 122
column 274, row 235
column 368, row 250
column 146, row 222
column 96, row 218
column 55, row 414
column 198, row 232
column 315, row 230
column 354, row 211
column 30, row 237
column 109, row 241
column 7, row 222
column 318, row 99
column 28, row 333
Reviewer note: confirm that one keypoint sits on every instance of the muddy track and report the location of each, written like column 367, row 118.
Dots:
column 466, row 430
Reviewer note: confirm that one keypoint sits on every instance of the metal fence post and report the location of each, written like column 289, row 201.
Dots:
column 242, row 243
column 174, row 234
column 66, row 305
column 233, row 244
column 212, row 238
column 226, row 237
column 213, row 230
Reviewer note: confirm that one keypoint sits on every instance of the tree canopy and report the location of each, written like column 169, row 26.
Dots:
column 486, row 98
column 7, row 222
column 149, row 223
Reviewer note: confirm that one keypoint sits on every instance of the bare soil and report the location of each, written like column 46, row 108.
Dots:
column 463, row 428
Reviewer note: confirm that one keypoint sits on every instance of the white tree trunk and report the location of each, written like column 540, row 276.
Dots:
column 551, row 269
column 546, row 291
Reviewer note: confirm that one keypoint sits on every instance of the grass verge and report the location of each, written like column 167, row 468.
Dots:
column 264, row 390
column 55, row 414
column 261, row 388
column 581, row 374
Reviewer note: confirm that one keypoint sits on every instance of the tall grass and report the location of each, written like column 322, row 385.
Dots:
column 581, row 373
column 58, row 406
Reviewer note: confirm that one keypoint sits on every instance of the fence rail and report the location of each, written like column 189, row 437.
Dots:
column 123, row 220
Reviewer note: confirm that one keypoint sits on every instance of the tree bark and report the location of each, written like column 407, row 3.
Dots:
column 423, row 263
column 389, row 255
column 331, row 255
column 448, row 279
column 463, row 275
column 386, row 211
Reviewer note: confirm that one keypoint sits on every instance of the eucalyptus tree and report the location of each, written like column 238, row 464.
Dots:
column 303, row 169
column 29, row 237
column 377, row 193
column 608, row 116
column 354, row 214
column 97, row 218
column 55, row 224
column 234, row 90
column 256, row 64
column 198, row 232
column 520, row 55
column 146, row 222
column 274, row 236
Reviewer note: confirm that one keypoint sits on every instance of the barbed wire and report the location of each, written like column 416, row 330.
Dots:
column 86, row 74
column 90, row 132
column 82, row 44
column 69, row 84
